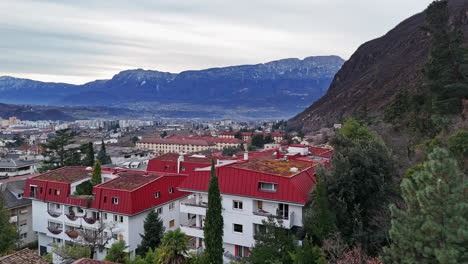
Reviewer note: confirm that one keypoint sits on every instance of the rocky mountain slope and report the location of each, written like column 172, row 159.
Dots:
column 283, row 87
column 377, row 70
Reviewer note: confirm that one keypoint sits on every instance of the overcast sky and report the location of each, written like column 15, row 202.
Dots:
column 79, row 41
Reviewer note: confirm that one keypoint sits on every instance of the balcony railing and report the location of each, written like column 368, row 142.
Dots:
column 72, row 217
column 191, row 224
column 54, row 214
column 261, row 212
column 72, row 233
column 89, row 220
column 192, row 202
column 54, row 230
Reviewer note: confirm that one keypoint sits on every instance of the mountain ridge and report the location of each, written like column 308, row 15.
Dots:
column 285, row 86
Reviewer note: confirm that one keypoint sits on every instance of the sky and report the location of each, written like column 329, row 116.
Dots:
column 78, row 41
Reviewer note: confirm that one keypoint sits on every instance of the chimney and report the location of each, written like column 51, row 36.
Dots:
column 246, row 155
column 179, row 160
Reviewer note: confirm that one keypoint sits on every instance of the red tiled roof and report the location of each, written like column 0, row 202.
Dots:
column 92, row 261
column 242, row 182
column 65, row 175
column 24, row 256
column 274, row 134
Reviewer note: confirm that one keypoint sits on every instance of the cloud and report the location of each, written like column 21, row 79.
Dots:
column 79, row 41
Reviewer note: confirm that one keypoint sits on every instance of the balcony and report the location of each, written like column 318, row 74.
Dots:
column 192, row 207
column 54, row 230
column 71, row 217
column 260, row 215
column 54, row 214
column 191, row 229
column 73, row 234
column 89, row 220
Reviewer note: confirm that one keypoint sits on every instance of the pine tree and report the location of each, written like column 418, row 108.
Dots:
column 433, row 228
column 274, row 244
column 7, row 231
column 97, row 178
column 102, row 154
column 54, row 151
column 89, row 159
column 213, row 230
column 360, row 185
column 153, row 233
column 319, row 219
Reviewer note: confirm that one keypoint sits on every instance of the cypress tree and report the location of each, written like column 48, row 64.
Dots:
column 153, row 233
column 213, row 230
column 102, row 154
column 433, row 228
column 96, row 179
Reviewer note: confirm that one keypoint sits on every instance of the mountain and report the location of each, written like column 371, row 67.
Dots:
column 32, row 113
column 273, row 89
column 377, row 70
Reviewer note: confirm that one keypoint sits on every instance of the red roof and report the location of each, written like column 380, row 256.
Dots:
column 178, row 141
column 65, row 174
column 187, row 158
column 321, row 152
column 236, row 180
column 134, row 190
column 285, row 168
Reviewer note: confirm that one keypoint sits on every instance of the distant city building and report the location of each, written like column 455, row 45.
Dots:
column 14, row 167
column 247, row 136
column 187, row 144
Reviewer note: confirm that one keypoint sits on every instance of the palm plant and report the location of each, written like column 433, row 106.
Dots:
column 174, row 246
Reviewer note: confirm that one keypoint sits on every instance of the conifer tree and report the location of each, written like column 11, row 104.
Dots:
column 319, row 220
column 102, row 154
column 7, row 231
column 56, row 155
column 89, row 159
column 433, row 228
column 213, row 230
column 97, row 178
column 153, row 233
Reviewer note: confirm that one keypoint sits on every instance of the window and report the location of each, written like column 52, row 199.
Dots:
column 171, row 206
column 159, row 210
column 105, row 199
column 121, row 219
column 121, row 238
column 34, row 191
column 241, row 251
column 237, row 205
column 182, row 168
column 114, row 236
column 171, row 190
column 80, row 210
column 105, row 216
column 23, row 223
column 156, row 195
column 268, row 186
column 56, row 240
column 50, row 191
column 260, row 205
column 259, row 229
column 57, row 191
column 238, row 228
column 115, row 218
column 23, row 235
column 283, row 210
column 115, row 200
column 57, row 206
column 171, row 223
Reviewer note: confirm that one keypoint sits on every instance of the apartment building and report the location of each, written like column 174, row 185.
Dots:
column 247, row 136
column 19, row 209
column 187, row 144
column 115, row 211
column 252, row 189
column 16, row 167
